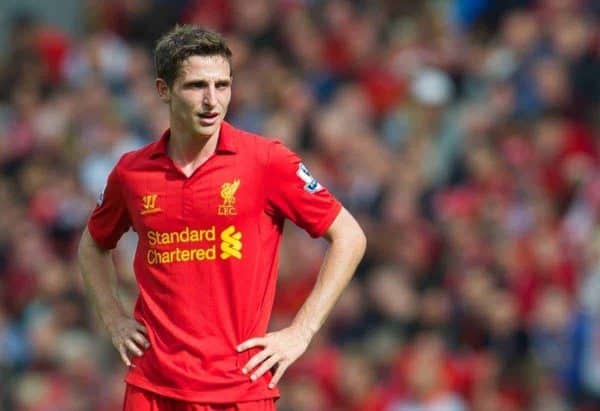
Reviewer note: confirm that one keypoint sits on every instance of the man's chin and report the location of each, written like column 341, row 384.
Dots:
column 207, row 131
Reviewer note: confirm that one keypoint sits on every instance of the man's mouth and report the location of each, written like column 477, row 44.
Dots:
column 208, row 116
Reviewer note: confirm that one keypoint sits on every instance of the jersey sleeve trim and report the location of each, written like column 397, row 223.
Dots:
column 327, row 220
column 106, row 245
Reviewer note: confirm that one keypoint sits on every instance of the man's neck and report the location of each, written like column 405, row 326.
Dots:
column 189, row 151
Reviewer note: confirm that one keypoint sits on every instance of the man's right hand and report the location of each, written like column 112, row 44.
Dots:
column 128, row 336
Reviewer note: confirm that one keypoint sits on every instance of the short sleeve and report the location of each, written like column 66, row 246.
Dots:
column 293, row 193
column 110, row 219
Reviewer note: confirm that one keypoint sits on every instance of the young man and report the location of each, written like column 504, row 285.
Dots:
column 208, row 203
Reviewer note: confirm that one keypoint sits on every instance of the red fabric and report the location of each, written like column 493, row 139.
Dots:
column 213, row 13
column 203, row 294
column 383, row 88
column 53, row 47
column 137, row 399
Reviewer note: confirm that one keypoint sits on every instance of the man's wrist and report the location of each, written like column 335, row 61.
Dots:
column 110, row 318
column 306, row 333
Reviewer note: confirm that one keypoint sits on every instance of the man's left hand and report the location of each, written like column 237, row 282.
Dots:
column 280, row 349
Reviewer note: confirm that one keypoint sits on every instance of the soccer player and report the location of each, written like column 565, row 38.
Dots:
column 208, row 202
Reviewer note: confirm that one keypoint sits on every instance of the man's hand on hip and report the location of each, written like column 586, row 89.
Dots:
column 280, row 349
column 128, row 335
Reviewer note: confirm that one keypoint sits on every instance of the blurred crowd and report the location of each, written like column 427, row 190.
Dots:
column 464, row 135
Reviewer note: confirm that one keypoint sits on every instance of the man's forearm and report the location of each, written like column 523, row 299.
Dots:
column 345, row 252
column 100, row 279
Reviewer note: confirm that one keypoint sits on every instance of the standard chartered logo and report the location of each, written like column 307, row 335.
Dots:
column 164, row 246
column 230, row 243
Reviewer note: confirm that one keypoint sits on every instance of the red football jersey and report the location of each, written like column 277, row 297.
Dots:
column 207, row 256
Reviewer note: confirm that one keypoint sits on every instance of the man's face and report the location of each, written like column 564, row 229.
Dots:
column 200, row 95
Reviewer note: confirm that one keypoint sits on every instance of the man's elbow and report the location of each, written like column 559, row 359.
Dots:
column 85, row 242
column 360, row 240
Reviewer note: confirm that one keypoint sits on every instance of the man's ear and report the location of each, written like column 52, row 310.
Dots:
column 163, row 90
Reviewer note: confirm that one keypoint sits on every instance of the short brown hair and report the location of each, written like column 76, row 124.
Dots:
column 182, row 42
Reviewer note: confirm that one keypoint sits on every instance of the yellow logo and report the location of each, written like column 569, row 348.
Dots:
column 230, row 243
column 228, row 195
column 149, row 204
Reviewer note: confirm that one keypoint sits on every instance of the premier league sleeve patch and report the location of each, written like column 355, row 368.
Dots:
column 311, row 184
column 100, row 198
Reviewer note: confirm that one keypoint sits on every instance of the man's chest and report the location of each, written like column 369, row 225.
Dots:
column 217, row 195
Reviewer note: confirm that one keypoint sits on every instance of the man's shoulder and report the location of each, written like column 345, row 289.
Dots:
column 254, row 144
column 248, row 138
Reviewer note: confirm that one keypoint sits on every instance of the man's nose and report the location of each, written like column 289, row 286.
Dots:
column 210, row 96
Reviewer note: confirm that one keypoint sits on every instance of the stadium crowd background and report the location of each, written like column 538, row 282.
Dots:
column 464, row 135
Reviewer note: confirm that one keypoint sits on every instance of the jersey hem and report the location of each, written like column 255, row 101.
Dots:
column 195, row 396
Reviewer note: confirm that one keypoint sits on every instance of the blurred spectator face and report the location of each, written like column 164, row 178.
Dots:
column 475, row 290
column 32, row 391
column 330, row 132
column 25, row 99
column 362, row 41
column 247, row 92
column 252, row 17
column 502, row 98
column 303, row 38
column 424, row 374
column 552, row 311
column 546, row 249
column 572, row 35
column 436, row 308
column 75, row 351
column 521, row 30
column 53, row 282
column 483, row 164
column 560, row 6
column 487, row 399
column 43, row 333
column 138, row 66
column 200, row 95
column 391, row 294
column 354, row 105
column 552, row 83
column 284, row 127
column 240, row 49
column 357, row 378
column 502, row 313
column 305, row 395
column 338, row 15
column 296, row 98
column 350, row 306
column 549, row 138
column 400, row 207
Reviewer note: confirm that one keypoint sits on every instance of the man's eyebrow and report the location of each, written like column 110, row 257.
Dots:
column 205, row 82
column 192, row 82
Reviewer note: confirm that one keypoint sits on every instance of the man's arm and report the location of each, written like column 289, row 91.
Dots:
column 100, row 281
column 282, row 348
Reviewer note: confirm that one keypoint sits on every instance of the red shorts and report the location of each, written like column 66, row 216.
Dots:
column 138, row 399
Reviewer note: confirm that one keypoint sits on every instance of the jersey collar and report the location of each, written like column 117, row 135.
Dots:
column 226, row 143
